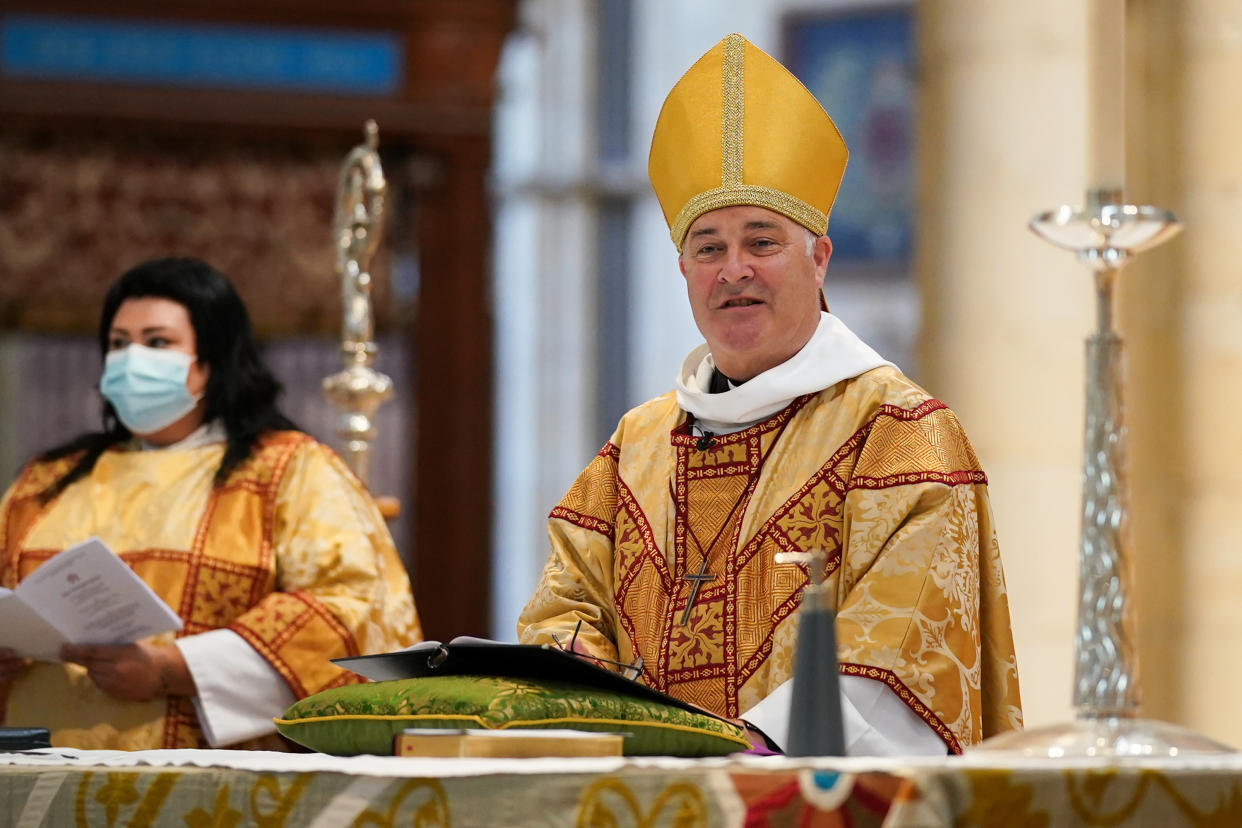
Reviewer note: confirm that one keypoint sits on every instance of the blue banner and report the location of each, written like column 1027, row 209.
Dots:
column 200, row 55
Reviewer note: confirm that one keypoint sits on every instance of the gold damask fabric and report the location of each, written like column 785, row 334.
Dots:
column 290, row 553
column 874, row 472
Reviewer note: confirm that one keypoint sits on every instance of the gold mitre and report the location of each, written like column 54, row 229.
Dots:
column 739, row 129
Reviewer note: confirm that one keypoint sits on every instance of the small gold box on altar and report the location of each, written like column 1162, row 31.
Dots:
column 506, row 743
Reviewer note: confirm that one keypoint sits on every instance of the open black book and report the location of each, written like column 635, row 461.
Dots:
column 466, row 656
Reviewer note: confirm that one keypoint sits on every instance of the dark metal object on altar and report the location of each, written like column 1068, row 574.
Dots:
column 816, row 725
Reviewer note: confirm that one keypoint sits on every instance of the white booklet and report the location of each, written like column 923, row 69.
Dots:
column 83, row 595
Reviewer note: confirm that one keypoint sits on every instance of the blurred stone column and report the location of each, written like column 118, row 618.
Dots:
column 1183, row 312
column 1001, row 135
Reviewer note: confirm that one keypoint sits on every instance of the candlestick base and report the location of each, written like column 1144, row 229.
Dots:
column 1110, row 736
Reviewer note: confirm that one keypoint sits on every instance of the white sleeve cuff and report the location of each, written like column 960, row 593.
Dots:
column 879, row 723
column 876, row 721
column 771, row 715
column 239, row 693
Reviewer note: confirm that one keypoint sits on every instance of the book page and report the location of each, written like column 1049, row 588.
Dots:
column 24, row 632
column 91, row 597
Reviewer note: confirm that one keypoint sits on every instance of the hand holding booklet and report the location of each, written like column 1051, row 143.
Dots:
column 83, row 595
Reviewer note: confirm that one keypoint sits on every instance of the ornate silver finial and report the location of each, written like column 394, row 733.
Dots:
column 358, row 390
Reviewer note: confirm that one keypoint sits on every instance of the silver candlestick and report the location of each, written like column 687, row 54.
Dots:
column 1105, row 234
column 358, row 389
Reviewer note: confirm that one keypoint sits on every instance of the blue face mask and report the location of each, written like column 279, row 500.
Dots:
column 146, row 386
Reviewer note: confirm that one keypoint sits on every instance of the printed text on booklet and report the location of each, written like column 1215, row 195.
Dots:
column 83, row 595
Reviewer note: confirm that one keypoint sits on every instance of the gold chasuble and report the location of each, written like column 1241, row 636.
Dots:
column 871, row 470
column 290, row 553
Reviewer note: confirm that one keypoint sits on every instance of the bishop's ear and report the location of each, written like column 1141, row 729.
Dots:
column 822, row 253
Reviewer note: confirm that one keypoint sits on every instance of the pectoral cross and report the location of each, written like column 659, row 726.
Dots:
column 696, row 579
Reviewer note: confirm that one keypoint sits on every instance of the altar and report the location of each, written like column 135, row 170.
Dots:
column 63, row 787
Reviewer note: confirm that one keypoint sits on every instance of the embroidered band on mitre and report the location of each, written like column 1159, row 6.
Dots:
column 739, row 129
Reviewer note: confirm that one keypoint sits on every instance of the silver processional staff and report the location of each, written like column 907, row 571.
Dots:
column 358, row 389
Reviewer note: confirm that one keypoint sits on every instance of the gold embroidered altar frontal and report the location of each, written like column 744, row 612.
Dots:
column 212, row 788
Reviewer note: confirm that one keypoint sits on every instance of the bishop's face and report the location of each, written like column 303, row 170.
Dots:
column 753, row 286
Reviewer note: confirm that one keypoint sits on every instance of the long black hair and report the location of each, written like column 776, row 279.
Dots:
column 241, row 391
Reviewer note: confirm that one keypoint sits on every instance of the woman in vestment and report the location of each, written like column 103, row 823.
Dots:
column 265, row 544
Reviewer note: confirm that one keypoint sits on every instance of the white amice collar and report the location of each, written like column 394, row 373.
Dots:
column 833, row 353
column 204, row 435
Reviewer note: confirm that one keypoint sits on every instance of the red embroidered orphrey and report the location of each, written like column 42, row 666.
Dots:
column 696, row 580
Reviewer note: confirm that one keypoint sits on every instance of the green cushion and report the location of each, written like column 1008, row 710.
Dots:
column 364, row 718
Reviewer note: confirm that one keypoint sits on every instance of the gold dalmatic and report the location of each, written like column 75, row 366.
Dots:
column 874, row 472
column 290, row 553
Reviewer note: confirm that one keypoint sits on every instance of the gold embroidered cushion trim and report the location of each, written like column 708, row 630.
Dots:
column 364, row 718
